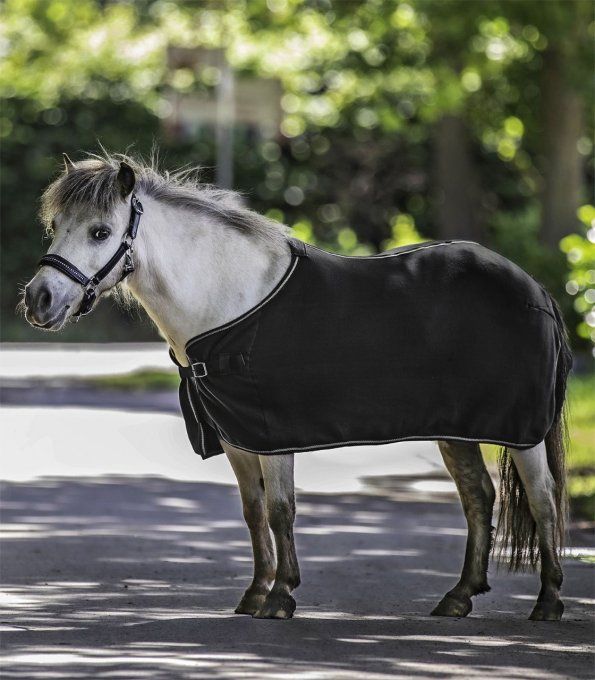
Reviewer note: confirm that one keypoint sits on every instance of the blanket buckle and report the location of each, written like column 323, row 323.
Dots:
column 199, row 370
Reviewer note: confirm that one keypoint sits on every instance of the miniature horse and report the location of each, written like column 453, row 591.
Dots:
column 200, row 260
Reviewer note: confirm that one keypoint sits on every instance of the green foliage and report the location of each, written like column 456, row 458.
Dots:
column 581, row 399
column 580, row 253
column 403, row 232
column 77, row 50
column 581, row 461
column 363, row 84
column 515, row 234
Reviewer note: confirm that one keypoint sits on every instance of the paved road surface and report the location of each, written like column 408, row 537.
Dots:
column 111, row 573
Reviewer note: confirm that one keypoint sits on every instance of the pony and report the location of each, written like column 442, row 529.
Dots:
column 200, row 260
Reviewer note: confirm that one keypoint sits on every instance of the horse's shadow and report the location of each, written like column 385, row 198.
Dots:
column 139, row 578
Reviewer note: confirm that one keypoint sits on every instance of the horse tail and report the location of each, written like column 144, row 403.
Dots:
column 516, row 528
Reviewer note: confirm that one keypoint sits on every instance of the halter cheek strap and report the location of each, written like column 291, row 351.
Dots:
column 90, row 283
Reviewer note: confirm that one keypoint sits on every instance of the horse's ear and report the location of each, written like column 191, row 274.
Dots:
column 126, row 179
column 68, row 164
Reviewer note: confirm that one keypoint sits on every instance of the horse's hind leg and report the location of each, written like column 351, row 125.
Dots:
column 280, row 502
column 465, row 463
column 539, row 485
column 249, row 475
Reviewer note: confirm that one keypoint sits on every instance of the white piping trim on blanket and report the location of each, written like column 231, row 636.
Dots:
column 190, row 399
column 202, row 436
column 261, row 304
column 364, row 442
column 216, row 427
column 213, row 396
column 382, row 256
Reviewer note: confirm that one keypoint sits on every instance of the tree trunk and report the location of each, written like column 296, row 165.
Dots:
column 456, row 182
column 562, row 166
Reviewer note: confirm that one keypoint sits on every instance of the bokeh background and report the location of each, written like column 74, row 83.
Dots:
column 363, row 125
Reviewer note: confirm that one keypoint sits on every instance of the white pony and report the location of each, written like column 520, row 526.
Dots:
column 201, row 260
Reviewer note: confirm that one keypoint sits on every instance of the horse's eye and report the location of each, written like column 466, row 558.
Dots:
column 100, row 233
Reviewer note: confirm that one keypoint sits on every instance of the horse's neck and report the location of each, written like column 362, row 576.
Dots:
column 193, row 276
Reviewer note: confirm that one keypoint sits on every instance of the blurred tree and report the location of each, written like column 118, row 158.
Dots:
column 567, row 69
column 563, row 182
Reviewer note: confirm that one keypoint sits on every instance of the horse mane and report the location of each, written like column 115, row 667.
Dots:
column 90, row 184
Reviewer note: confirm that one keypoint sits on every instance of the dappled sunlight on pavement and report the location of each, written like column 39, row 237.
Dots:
column 138, row 577
column 124, row 555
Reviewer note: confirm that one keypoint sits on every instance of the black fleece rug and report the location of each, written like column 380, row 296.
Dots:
column 441, row 340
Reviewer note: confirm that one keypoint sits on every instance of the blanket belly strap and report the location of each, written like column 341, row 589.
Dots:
column 223, row 364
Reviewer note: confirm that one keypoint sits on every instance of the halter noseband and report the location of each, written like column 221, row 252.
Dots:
column 90, row 283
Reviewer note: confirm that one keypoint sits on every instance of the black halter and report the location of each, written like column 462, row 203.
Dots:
column 90, row 283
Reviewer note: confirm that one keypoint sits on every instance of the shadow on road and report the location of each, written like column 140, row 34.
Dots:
column 129, row 577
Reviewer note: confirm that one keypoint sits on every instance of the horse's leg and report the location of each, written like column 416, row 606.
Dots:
column 280, row 502
column 465, row 463
column 533, row 469
column 246, row 467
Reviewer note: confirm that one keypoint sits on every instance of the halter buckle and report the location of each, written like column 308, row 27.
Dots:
column 128, row 267
column 137, row 206
column 87, row 302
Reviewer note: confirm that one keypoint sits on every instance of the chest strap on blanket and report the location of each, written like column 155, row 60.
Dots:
column 224, row 364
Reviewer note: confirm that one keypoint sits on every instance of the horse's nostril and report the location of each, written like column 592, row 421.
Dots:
column 44, row 299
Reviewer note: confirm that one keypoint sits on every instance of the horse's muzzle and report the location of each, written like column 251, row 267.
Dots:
column 42, row 309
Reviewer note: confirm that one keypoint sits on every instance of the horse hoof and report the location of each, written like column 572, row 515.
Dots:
column 451, row 605
column 252, row 601
column 276, row 606
column 547, row 611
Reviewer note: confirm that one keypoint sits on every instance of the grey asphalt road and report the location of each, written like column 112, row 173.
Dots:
column 132, row 577
column 129, row 560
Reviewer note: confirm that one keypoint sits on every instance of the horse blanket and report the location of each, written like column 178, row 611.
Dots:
column 442, row 340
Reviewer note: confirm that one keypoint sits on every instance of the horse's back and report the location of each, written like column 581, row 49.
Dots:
column 460, row 270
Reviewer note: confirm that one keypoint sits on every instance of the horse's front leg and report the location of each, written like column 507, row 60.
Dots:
column 246, row 467
column 465, row 464
column 280, row 502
